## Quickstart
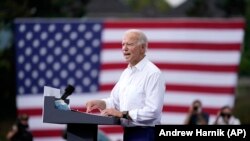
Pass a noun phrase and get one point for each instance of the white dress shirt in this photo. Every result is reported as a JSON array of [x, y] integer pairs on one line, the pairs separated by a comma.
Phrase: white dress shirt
[[140, 90], [232, 121]]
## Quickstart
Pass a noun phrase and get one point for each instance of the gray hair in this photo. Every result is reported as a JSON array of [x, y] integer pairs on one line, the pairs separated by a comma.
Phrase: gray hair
[[142, 40]]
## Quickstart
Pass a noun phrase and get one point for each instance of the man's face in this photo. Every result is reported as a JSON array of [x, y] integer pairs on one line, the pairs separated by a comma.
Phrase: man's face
[[133, 52]]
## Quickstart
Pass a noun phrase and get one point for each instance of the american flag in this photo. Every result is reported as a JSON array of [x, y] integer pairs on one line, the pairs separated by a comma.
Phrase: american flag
[[199, 58]]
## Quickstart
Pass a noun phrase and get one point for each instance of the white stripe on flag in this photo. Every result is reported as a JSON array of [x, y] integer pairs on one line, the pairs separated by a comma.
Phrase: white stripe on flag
[[49, 139], [178, 118], [178, 56], [181, 35], [208, 100], [36, 123]]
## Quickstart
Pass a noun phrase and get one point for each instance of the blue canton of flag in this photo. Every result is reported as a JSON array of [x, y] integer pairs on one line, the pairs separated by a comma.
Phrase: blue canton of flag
[[57, 54]]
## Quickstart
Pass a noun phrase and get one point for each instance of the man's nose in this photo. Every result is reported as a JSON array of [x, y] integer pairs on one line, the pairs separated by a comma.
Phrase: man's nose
[[124, 47]]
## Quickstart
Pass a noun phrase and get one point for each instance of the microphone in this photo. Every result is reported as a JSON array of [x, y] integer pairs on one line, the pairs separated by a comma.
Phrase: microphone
[[61, 104], [68, 91]]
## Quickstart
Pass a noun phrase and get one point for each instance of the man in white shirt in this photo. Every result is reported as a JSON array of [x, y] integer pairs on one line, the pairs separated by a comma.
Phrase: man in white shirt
[[137, 98]]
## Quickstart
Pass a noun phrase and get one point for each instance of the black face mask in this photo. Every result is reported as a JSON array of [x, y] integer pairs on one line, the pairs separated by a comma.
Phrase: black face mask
[[196, 108], [225, 115], [21, 126]]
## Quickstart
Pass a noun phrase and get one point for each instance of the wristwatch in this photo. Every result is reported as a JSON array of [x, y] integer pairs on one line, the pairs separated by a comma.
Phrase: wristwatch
[[125, 115]]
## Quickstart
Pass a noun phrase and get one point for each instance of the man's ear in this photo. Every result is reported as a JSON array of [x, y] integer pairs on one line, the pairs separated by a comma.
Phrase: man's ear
[[143, 48]]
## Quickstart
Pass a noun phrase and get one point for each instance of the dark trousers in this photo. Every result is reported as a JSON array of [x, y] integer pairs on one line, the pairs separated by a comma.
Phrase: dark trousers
[[141, 133]]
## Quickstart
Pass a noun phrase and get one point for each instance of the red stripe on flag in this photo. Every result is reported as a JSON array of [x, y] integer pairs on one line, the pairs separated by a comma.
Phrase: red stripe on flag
[[59, 133], [205, 23], [31, 112], [106, 87], [114, 66], [112, 129], [198, 67], [206, 89], [188, 46], [47, 133], [184, 109], [176, 66]]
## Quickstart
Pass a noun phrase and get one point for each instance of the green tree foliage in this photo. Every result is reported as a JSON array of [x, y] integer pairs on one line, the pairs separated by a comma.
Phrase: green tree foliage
[[216, 8], [10, 9], [149, 7], [245, 59], [240, 8], [7, 87]]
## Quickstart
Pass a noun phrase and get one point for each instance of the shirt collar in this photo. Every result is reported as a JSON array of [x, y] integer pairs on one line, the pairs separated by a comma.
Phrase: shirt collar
[[139, 66]]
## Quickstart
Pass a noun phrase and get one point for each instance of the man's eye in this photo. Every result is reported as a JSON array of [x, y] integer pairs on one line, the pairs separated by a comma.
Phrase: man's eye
[[128, 44]]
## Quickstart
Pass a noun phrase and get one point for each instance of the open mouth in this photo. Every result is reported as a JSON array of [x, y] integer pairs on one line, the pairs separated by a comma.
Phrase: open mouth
[[126, 54]]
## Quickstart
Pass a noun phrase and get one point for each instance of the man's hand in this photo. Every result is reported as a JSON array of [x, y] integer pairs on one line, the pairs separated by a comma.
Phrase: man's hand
[[95, 104], [111, 112]]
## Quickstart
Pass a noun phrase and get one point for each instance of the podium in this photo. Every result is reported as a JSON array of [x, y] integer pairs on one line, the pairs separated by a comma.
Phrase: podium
[[80, 126]]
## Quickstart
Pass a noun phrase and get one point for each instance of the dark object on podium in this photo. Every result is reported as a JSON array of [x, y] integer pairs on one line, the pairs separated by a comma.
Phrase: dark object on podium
[[80, 126]]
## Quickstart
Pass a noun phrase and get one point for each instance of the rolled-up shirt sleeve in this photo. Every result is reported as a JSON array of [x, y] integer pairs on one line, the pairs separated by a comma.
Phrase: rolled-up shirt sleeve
[[152, 109]]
